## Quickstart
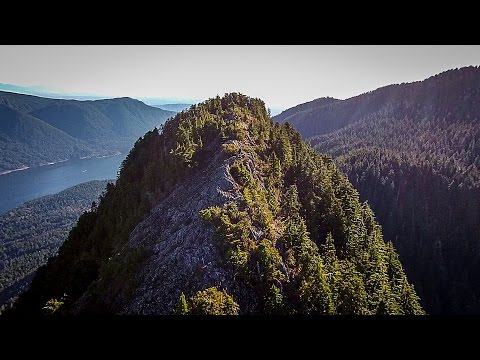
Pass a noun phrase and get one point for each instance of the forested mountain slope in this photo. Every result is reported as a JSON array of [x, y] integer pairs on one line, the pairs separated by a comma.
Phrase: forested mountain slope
[[225, 212], [33, 232], [413, 151], [35, 130]]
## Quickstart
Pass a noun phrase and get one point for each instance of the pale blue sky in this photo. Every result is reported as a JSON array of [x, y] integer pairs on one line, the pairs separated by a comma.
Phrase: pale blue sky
[[282, 76]]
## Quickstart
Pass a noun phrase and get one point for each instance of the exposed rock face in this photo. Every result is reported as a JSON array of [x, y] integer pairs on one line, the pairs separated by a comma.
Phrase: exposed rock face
[[182, 254]]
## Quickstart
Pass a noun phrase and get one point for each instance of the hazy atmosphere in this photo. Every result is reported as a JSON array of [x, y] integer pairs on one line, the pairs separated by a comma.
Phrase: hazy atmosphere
[[282, 76]]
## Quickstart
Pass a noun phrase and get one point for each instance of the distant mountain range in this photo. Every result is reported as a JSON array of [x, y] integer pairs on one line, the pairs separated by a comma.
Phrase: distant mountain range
[[413, 151], [44, 92], [36, 130], [172, 107], [51, 94]]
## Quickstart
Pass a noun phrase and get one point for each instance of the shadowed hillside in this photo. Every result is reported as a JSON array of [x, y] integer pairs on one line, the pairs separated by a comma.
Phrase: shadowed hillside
[[413, 151]]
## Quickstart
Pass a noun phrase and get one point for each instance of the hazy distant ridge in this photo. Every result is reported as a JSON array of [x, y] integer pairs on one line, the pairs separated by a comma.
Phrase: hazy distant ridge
[[36, 130]]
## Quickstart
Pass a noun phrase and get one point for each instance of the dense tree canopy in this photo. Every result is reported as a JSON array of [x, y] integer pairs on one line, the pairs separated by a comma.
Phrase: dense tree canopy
[[413, 152], [297, 235], [34, 231]]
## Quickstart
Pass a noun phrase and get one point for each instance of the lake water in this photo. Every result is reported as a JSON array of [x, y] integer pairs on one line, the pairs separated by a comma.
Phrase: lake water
[[20, 186]]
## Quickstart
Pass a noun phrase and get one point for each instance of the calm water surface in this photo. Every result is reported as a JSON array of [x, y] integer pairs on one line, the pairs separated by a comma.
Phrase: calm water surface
[[20, 186]]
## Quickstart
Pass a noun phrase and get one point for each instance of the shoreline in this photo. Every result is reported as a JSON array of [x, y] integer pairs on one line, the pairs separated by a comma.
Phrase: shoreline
[[58, 162], [100, 157], [53, 163], [14, 170]]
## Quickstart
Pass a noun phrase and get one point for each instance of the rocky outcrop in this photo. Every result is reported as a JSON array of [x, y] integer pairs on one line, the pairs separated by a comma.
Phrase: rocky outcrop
[[182, 254]]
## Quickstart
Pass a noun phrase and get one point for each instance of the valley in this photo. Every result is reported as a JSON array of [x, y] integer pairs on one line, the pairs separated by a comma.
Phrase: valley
[[20, 186], [366, 204]]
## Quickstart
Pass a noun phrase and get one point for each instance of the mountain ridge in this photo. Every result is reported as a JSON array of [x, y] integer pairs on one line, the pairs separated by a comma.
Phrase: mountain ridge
[[392, 91], [225, 212]]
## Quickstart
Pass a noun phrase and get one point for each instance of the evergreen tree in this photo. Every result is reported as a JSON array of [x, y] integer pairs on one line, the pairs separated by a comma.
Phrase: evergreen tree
[[182, 307]]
